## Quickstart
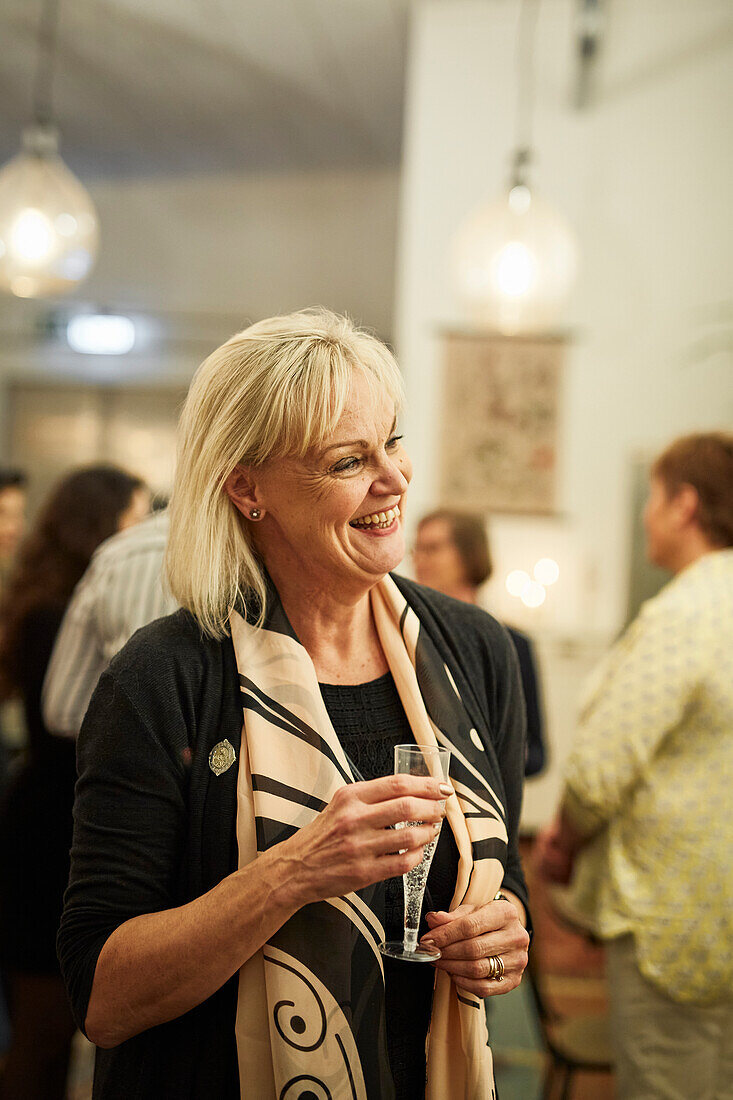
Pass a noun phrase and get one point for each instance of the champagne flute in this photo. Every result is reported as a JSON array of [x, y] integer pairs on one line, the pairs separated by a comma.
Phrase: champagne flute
[[416, 760]]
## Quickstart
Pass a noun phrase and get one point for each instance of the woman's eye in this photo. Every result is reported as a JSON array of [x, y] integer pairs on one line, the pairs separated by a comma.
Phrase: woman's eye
[[345, 464]]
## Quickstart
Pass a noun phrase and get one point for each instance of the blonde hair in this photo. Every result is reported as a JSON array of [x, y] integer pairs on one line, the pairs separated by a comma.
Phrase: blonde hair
[[276, 389]]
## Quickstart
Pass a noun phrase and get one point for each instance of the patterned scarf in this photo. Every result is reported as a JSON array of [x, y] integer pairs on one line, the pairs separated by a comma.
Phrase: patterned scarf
[[310, 1019]]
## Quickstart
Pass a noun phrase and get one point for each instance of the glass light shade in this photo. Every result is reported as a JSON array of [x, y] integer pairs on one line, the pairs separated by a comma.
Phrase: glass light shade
[[49, 231], [515, 262]]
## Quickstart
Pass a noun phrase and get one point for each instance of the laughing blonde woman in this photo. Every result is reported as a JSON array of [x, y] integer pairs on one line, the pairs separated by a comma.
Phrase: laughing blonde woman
[[234, 866]]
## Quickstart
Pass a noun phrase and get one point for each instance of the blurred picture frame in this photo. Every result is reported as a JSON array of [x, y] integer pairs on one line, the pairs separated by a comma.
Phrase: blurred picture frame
[[500, 422]]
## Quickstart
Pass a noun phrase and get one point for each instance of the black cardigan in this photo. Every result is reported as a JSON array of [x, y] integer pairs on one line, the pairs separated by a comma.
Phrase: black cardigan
[[154, 828]]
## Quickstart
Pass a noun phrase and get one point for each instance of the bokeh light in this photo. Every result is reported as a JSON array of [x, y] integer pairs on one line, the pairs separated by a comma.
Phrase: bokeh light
[[546, 571], [517, 581], [533, 595]]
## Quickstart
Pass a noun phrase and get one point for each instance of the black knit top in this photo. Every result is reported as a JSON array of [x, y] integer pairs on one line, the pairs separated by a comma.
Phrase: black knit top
[[370, 720]]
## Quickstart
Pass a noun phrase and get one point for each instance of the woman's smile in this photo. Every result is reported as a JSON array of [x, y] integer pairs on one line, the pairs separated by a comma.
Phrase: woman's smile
[[378, 523]]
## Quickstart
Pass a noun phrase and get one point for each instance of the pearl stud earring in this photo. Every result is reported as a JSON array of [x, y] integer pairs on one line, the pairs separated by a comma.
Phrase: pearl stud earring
[[255, 513]]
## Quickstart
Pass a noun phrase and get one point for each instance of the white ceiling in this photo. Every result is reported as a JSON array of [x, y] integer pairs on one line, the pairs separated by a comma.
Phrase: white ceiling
[[151, 87]]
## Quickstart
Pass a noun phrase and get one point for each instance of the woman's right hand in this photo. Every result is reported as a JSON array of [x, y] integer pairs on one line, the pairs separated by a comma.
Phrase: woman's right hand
[[350, 844]]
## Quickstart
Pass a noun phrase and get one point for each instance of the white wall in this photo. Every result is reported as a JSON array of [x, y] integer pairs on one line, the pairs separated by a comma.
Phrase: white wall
[[644, 175]]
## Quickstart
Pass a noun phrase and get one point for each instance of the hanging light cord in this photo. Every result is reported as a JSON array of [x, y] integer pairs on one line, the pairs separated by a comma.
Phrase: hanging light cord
[[43, 84], [528, 12]]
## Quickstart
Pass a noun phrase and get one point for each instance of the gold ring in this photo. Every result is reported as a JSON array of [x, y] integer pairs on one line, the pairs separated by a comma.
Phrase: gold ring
[[496, 968]]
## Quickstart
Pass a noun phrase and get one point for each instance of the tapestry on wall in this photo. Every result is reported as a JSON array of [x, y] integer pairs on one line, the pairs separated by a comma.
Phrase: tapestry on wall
[[501, 398]]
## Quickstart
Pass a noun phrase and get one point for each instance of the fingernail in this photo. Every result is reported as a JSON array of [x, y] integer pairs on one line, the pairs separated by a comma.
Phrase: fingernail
[[427, 943], [445, 789]]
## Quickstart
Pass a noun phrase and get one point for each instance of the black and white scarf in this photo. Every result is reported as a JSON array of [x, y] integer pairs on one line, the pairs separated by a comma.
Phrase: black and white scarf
[[310, 1012]]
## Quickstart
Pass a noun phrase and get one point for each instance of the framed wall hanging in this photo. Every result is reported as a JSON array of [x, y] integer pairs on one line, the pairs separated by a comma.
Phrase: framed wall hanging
[[500, 414]]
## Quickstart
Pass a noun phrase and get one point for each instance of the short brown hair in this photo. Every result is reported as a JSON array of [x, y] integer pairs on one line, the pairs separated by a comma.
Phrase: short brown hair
[[704, 461], [471, 541]]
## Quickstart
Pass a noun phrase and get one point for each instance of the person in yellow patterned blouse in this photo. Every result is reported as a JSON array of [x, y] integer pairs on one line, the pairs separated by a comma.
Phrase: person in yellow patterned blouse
[[645, 829]]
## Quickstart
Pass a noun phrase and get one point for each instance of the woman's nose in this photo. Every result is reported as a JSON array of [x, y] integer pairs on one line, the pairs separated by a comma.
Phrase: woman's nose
[[392, 478]]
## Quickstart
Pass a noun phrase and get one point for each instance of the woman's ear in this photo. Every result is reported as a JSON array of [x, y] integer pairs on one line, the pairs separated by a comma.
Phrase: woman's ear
[[686, 505], [243, 493]]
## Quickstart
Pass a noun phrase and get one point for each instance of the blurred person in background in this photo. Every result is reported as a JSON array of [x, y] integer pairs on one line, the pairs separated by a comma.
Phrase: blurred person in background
[[12, 517], [121, 591], [35, 820], [645, 828], [452, 555], [12, 524]]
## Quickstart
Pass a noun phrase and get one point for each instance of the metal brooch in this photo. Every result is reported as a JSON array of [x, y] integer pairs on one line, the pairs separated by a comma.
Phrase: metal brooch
[[221, 757]]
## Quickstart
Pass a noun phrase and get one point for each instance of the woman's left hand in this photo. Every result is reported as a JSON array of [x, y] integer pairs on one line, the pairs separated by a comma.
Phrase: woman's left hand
[[470, 935]]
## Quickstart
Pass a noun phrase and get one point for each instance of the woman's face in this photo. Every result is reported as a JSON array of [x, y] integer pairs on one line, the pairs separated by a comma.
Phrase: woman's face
[[662, 515], [12, 519], [335, 515], [436, 557]]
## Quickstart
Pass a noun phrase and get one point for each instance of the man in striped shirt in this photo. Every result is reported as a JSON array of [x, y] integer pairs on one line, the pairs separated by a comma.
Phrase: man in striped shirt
[[121, 591]]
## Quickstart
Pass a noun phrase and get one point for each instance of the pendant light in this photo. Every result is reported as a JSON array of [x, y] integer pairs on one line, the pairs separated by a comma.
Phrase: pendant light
[[515, 258], [49, 232]]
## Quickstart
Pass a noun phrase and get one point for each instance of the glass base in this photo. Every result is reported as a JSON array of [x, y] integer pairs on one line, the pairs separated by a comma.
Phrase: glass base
[[396, 950]]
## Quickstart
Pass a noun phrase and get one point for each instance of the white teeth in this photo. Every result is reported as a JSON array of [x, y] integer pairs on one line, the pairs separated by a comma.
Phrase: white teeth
[[378, 518]]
